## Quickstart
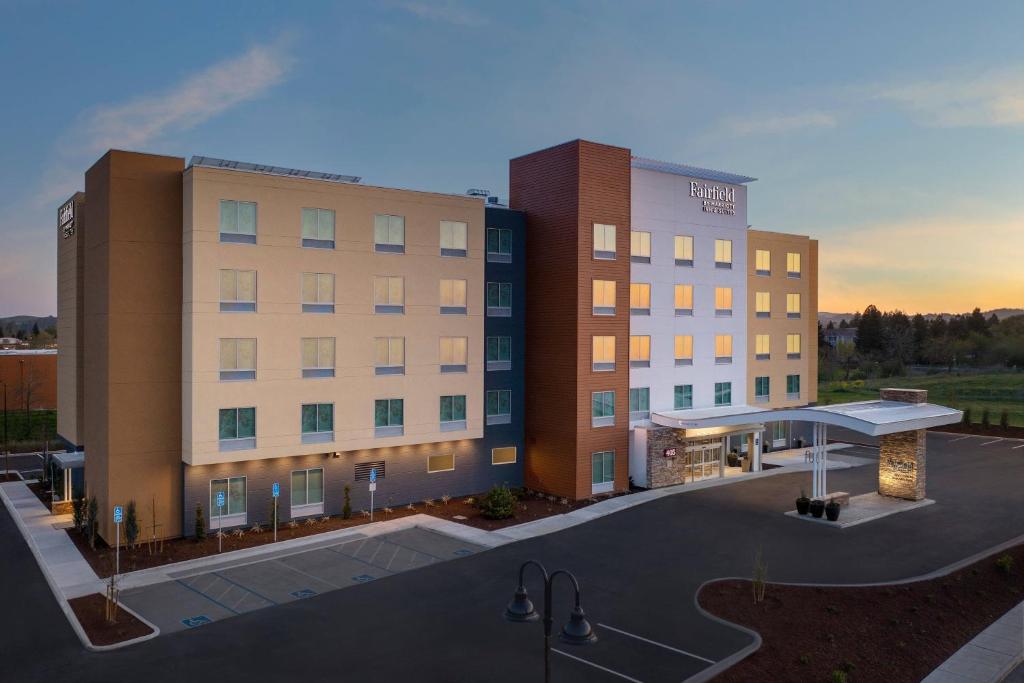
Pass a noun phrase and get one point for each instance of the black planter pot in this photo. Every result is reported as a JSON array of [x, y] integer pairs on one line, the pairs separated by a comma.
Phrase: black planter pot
[[832, 512], [802, 504], [817, 508]]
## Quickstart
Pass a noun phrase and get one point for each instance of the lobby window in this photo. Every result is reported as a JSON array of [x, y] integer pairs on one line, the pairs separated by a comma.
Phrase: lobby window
[[639, 246], [639, 403], [604, 297], [762, 304], [453, 238], [778, 432], [684, 250], [684, 349], [237, 222], [499, 353], [318, 293], [639, 298], [318, 357], [499, 299], [792, 346], [389, 355], [602, 409], [317, 422], [388, 417], [602, 471], [604, 354], [498, 406], [792, 387], [723, 301], [761, 389], [389, 234], [233, 512], [237, 291], [237, 429], [440, 462], [604, 241], [793, 264], [318, 228], [723, 349], [307, 492], [682, 398], [684, 299], [723, 393], [792, 305], [762, 347], [723, 253], [453, 352], [388, 294], [505, 455], [453, 297], [499, 245], [237, 359], [639, 351], [453, 413], [762, 262]]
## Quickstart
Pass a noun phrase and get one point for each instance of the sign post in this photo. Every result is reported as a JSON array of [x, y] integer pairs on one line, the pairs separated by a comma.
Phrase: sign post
[[276, 492], [373, 487], [220, 519], [118, 518]]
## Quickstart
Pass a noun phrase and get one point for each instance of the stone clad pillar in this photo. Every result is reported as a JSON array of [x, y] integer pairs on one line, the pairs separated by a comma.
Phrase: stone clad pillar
[[901, 463]]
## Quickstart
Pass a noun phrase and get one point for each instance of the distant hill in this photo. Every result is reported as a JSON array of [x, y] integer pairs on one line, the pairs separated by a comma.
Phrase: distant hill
[[9, 327], [824, 317]]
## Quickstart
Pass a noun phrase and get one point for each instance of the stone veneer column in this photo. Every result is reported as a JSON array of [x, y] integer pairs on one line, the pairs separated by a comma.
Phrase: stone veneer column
[[901, 463]]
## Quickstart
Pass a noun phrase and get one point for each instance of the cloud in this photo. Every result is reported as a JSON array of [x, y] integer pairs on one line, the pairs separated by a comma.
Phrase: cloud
[[444, 12], [781, 123], [993, 99]]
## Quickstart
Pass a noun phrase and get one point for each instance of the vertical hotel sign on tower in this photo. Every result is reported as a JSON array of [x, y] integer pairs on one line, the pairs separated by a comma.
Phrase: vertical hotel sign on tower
[[66, 219]]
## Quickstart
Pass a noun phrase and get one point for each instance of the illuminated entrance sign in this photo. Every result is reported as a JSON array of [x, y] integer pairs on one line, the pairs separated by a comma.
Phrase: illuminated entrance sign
[[66, 218]]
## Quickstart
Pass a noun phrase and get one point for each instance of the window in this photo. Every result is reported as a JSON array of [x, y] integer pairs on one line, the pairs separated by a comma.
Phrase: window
[[499, 245], [388, 294], [453, 354], [602, 470], [723, 253], [639, 403], [684, 299], [723, 348], [602, 412], [233, 511], [763, 304], [793, 346], [792, 305], [778, 433], [499, 299], [307, 492], [318, 357], [506, 455], [499, 406], [639, 247], [318, 293], [317, 422], [604, 354], [723, 301], [389, 355], [762, 347], [793, 264], [389, 234], [453, 238], [237, 291], [604, 241], [453, 297], [761, 389], [237, 429], [440, 462], [792, 387], [762, 262], [684, 250], [639, 351], [684, 349], [237, 359], [723, 393], [604, 297], [499, 353], [453, 413], [683, 397], [318, 228], [389, 417], [237, 222], [639, 298]]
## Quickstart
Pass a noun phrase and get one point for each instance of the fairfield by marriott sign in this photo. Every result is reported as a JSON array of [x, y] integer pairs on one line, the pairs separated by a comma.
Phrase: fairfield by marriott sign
[[720, 199]]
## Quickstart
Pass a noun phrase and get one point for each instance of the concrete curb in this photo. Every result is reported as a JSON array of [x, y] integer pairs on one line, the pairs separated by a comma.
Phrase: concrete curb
[[733, 659]]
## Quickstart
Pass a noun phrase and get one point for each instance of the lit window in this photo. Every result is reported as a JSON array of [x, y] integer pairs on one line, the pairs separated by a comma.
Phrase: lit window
[[604, 353], [440, 462], [388, 294], [237, 429], [684, 299], [792, 346], [318, 357], [317, 422], [389, 234], [762, 262], [506, 455], [640, 246], [684, 349], [498, 405], [762, 347], [453, 238], [763, 304], [233, 512], [639, 298], [453, 297], [639, 351], [602, 410], [499, 299], [792, 387], [237, 222], [499, 245], [453, 354], [237, 291], [237, 359], [723, 393], [604, 297], [499, 353], [604, 241], [389, 355], [682, 397], [723, 301], [307, 492], [723, 253], [684, 250], [389, 417], [792, 305], [793, 264], [602, 469], [453, 413], [318, 293], [639, 403], [318, 228], [761, 389], [723, 348]]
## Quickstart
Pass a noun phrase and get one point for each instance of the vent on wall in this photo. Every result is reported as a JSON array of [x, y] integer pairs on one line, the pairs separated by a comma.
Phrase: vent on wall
[[363, 470]]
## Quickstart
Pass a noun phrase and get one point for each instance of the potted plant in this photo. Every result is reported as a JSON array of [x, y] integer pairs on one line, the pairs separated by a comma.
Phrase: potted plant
[[817, 507], [803, 503], [832, 510]]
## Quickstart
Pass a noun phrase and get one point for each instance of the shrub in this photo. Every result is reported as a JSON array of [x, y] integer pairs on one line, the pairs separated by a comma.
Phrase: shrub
[[839, 676], [498, 503], [985, 420], [78, 513], [1005, 563], [346, 509], [760, 578], [967, 416], [1004, 419], [92, 511], [200, 522], [131, 524]]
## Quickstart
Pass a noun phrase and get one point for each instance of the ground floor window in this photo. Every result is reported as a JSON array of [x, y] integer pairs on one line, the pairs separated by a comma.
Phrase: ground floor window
[[232, 513], [723, 393], [683, 398], [503, 456], [602, 471], [307, 492], [442, 462], [778, 434]]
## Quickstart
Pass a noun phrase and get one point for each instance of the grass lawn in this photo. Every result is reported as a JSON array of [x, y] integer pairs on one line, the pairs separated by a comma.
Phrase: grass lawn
[[28, 434], [996, 391]]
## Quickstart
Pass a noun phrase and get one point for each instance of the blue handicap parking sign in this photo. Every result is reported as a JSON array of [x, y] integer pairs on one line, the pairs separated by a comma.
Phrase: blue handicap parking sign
[[220, 499], [118, 514], [373, 475], [304, 593], [276, 489], [200, 620], [362, 578]]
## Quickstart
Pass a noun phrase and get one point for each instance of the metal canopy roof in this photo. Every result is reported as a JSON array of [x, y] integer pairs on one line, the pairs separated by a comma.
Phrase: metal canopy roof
[[691, 171], [874, 418], [69, 460], [211, 162]]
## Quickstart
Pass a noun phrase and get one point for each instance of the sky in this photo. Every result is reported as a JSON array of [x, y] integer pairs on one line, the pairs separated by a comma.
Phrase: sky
[[891, 132]]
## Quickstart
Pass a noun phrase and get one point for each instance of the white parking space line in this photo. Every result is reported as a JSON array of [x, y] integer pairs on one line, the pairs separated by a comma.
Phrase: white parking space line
[[989, 443], [960, 439], [654, 642], [597, 666], [1016, 447]]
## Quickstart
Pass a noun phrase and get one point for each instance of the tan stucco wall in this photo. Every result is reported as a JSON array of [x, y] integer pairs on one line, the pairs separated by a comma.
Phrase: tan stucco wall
[[279, 325], [69, 327]]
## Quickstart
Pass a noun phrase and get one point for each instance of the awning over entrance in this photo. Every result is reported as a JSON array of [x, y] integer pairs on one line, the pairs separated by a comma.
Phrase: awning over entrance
[[69, 461]]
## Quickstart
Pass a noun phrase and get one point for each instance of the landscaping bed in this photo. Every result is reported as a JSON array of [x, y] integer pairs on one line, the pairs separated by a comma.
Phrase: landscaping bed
[[10, 476], [90, 610], [528, 507], [886, 633]]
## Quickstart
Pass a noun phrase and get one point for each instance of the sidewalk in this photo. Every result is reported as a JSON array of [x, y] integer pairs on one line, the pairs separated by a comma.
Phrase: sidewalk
[[990, 656]]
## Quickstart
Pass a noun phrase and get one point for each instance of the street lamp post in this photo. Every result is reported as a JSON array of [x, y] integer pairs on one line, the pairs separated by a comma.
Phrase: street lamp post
[[7, 448], [576, 632]]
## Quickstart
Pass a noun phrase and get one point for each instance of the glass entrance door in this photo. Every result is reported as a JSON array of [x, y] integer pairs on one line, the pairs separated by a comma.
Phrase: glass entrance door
[[705, 459]]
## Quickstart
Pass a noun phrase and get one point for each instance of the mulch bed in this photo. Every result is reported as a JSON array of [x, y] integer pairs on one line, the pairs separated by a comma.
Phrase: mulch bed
[[1010, 432], [91, 613], [530, 507], [886, 633], [9, 476]]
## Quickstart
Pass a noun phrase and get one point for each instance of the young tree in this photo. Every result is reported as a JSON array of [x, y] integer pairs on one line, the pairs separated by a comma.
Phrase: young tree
[[131, 525], [200, 522]]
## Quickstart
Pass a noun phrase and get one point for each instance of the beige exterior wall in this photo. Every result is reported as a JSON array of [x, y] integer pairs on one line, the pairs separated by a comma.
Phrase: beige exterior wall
[[69, 325], [279, 324], [779, 325]]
